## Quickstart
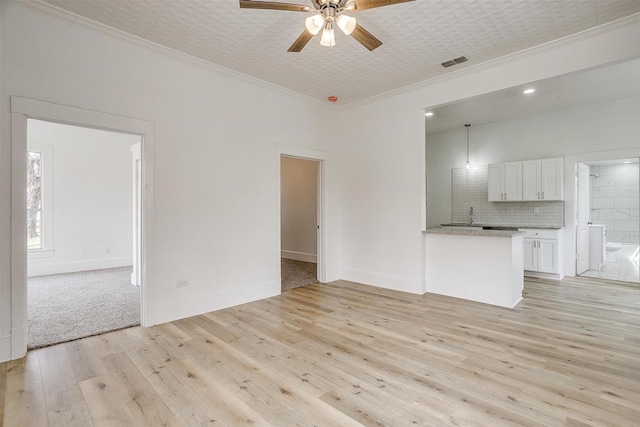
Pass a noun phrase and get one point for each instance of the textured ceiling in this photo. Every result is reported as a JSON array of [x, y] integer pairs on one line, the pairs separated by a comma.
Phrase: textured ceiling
[[417, 36]]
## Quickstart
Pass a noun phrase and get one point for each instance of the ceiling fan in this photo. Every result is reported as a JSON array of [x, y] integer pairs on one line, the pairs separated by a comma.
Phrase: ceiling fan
[[329, 13]]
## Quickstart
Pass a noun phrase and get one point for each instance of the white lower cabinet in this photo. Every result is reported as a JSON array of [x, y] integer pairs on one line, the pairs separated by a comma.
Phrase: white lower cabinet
[[542, 253]]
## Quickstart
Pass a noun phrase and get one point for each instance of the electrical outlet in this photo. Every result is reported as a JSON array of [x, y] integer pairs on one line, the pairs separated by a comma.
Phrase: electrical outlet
[[108, 251], [182, 283], [535, 210]]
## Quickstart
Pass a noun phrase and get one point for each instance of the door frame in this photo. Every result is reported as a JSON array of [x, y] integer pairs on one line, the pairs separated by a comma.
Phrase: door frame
[[322, 158], [23, 109], [570, 208], [578, 205]]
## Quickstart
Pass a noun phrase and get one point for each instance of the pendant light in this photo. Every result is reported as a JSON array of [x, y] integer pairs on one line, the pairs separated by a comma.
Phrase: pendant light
[[468, 163]]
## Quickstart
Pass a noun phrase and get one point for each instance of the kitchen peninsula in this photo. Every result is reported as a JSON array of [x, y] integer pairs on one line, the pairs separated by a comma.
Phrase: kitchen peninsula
[[475, 264]]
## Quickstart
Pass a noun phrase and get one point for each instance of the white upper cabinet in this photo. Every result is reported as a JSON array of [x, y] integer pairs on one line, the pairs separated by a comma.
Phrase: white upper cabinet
[[505, 182], [552, 179], [529, 180], [543, 179]]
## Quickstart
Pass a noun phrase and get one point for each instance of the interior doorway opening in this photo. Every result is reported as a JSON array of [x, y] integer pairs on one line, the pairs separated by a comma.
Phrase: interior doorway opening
[[23, 109], [83, 195], [299, 222], [608, 220], [321, 161]]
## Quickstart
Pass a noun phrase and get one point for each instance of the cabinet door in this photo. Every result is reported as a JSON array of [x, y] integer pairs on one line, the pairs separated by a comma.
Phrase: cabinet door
[[552, 179], [496, 180], [548, 256], [530, 254], [513, 180], [531, 180]]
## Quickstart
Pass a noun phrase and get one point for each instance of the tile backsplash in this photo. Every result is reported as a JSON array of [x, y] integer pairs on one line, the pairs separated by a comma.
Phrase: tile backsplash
[[470, 189]]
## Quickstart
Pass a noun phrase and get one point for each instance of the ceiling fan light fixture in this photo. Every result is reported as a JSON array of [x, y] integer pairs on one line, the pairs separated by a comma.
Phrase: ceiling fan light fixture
[[346, 23], [328, 37], [314, 24]]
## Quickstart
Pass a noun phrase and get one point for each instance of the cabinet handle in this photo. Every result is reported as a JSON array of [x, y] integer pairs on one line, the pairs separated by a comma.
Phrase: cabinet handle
[[538, 195], [543, 194]]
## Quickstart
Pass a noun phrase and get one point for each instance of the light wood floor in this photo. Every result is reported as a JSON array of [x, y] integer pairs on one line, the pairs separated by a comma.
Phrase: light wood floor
[[348, 354]]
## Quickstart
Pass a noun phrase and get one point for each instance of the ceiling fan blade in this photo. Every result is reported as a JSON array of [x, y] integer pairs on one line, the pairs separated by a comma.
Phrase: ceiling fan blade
[[250, 4], [370, 4], [365, 38], [300, 42]]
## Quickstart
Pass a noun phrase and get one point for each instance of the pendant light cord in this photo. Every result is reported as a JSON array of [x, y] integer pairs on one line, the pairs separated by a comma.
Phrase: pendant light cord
[[467, 126]]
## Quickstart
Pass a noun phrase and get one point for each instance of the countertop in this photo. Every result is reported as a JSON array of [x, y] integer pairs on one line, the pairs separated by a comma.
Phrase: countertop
[[476, 231], [541, 227]]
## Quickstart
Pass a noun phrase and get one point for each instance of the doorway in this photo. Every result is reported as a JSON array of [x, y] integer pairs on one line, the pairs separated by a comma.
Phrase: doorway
[[80, 232], [23, 109], [607, 220], [316, 163], [299, 222]]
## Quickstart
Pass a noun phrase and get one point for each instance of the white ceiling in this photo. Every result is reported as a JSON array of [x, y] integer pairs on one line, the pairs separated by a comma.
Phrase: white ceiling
[[418, 36], [574, 90]]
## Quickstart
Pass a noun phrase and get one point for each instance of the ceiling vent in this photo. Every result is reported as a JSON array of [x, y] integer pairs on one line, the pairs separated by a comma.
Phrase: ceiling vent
[[455, 61]]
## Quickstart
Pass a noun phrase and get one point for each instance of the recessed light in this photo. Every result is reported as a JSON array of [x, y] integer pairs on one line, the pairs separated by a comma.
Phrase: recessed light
[[627, 162], [528, 91], [428, 114]]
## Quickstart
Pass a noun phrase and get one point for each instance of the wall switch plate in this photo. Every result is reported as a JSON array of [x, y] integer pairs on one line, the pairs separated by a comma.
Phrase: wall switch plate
[[535, 210], [182, 283]]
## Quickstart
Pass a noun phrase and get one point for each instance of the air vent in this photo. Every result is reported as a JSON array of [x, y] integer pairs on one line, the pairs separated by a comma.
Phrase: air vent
[[455, 61]]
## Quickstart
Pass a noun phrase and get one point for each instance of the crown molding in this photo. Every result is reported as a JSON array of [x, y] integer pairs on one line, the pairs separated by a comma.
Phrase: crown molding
[[99, 28], [121, 36], [506, 59]]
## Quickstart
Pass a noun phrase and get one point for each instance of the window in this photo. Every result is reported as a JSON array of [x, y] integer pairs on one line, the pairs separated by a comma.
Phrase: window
[[34, 200], [39, 200]]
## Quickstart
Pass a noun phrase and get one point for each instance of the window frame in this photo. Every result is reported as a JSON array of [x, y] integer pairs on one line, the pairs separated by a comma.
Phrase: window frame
[[46, 249]]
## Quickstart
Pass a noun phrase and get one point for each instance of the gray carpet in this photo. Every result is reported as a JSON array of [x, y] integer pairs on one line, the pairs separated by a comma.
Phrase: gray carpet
[[65, 307], [297, 273]]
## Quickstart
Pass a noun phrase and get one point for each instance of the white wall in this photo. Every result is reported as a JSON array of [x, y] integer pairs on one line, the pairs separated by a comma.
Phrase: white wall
[[210, 125], [216, 163], [92, 198], [299, 208], [600, 127], [381, 150]]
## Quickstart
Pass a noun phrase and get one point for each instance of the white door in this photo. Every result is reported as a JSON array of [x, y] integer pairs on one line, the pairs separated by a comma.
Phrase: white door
[[582, 219]]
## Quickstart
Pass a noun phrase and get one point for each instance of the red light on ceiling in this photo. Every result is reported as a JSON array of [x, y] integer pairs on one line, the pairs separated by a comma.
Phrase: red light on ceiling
[[332, 98]]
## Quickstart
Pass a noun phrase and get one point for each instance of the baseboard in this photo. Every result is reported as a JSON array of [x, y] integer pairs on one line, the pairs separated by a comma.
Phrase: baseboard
[[205, 303], [72, 267], [298, 256], [5, 348], [552, 276], [396, 283]]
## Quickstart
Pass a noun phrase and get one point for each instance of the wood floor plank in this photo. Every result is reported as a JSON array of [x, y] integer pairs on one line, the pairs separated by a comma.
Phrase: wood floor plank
[[65, 403], [348, 354], [24, 397]]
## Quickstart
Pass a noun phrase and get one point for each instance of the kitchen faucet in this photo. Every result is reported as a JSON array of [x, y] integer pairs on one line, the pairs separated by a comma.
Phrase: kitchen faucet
[[471, 216]]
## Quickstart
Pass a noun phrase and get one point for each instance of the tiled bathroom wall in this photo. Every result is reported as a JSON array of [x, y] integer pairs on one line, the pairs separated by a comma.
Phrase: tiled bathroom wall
[[614, 201], [470, 189]]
